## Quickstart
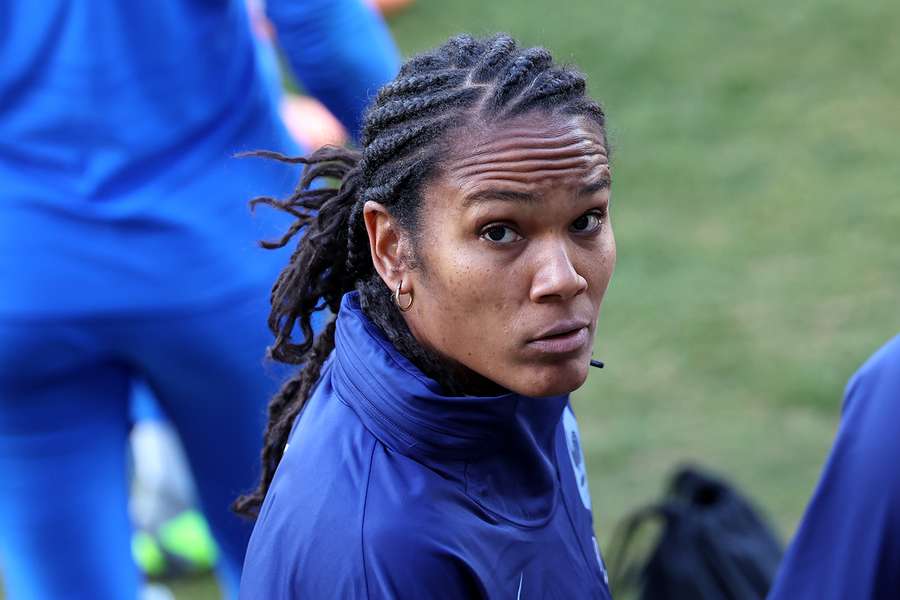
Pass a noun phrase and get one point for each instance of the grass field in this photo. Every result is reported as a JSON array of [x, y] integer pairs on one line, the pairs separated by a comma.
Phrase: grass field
[[757, 214]]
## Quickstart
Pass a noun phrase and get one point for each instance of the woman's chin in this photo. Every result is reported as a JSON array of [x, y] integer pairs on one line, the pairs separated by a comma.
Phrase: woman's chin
[[554, 380]]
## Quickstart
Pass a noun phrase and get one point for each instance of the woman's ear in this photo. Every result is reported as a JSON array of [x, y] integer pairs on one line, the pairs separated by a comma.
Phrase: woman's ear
[[385, 243]]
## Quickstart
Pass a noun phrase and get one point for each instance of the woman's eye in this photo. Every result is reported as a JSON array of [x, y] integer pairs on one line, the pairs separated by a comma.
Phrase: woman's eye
[[587, 223], [500, 234]]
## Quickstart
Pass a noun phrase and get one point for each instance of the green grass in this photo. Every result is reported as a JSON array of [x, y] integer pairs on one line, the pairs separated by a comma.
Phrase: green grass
[[757, 216]]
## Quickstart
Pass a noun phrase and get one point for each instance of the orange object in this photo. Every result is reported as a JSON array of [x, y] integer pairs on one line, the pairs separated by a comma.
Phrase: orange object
[[389, 7], [310, 123]]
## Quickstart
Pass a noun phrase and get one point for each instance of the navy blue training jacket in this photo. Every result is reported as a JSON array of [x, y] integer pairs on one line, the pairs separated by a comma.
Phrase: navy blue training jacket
[[389, 489], [848, 544]]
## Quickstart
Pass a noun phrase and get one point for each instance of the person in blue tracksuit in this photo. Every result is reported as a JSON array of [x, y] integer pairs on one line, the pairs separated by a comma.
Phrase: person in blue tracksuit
[[427, 447], [848, 543], [127, 251]]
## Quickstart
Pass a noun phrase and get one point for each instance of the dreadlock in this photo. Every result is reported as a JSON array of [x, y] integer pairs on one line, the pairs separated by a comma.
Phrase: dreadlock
[[404, 138]]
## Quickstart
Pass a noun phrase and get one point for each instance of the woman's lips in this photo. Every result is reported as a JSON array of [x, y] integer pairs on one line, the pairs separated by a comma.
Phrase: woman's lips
[[562, 343]]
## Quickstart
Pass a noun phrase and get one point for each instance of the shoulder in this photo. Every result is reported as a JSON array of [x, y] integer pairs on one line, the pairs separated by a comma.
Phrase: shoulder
[[311, 521], [878, 377], [871, 411], [409, 503], [414, 531], [407, 558]]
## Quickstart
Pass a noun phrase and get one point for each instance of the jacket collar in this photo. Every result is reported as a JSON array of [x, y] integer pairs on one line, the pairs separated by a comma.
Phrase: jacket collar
[[508, 437], [404, 407]]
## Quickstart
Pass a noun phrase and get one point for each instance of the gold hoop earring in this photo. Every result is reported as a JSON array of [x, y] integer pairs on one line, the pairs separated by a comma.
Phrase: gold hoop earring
[[397, 298]]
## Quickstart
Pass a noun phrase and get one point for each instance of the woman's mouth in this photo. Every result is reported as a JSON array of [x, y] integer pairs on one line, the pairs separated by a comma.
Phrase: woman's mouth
[[562, 343]]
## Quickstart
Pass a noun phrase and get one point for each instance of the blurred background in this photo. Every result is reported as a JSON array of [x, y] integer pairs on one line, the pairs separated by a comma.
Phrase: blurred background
[[756, 206]]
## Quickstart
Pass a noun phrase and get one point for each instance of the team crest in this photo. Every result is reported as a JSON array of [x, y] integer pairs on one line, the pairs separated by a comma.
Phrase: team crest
[[576, 456]]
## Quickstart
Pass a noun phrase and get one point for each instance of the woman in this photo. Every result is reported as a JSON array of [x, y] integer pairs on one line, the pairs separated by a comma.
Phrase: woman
[[465, 253]]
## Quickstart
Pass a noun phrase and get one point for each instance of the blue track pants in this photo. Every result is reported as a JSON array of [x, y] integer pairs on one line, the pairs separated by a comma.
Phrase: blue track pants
[[64, 418]]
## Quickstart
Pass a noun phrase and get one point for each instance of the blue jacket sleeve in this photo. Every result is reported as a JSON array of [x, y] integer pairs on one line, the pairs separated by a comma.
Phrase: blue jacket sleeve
[[340, 50], [848, 543]]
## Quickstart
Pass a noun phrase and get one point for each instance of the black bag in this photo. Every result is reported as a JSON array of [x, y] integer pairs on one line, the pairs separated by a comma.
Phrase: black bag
[[713, 545]]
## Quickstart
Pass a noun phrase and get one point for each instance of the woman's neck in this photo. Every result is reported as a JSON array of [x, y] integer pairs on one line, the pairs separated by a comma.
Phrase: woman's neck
[[455, 378]]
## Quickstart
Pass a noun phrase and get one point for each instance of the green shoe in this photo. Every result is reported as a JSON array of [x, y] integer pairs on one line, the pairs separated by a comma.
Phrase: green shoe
[[147, 554], [180, 546]]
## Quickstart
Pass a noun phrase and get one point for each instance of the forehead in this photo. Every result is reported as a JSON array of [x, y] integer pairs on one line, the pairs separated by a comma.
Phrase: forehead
[[523, 155]]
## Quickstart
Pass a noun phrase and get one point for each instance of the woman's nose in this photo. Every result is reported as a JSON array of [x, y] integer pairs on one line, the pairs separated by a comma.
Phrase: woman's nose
[[556, 278]]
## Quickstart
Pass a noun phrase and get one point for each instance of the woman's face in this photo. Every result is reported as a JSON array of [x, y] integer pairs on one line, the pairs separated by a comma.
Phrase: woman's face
[[515, 250]]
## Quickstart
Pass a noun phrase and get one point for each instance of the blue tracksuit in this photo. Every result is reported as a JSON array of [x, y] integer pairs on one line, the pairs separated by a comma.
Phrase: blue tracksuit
[[127, 251], [389, 489], [848, 544]]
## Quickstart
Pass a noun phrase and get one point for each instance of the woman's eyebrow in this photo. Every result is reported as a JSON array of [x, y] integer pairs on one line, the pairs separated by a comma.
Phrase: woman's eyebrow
[[597, 185], [491, 194], [497, 194], [594, 187]]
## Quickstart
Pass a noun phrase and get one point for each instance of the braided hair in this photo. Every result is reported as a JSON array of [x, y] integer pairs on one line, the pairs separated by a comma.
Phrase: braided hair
[[404, 138]]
